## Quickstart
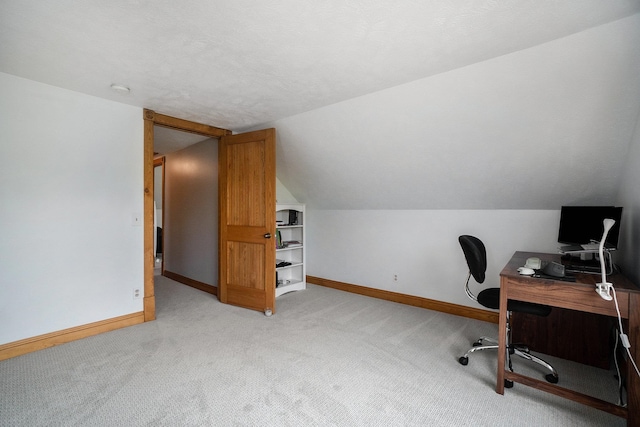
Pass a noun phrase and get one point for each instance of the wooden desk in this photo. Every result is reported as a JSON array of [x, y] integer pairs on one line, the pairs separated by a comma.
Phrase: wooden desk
[[581, 296]]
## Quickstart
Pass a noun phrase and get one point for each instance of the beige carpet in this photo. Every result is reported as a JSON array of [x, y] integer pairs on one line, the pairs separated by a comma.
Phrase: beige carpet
[[327, 358]]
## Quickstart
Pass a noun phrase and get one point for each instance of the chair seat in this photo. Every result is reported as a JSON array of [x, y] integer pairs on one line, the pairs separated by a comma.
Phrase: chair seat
[[490, 298]]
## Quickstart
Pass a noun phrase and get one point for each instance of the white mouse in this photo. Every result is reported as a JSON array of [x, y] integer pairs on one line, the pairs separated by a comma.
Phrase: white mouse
[[526, 271]]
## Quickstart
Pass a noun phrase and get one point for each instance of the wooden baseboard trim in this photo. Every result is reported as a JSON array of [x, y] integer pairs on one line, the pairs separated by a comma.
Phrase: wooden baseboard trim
[[445, 307], [28, 345], [213, 290]]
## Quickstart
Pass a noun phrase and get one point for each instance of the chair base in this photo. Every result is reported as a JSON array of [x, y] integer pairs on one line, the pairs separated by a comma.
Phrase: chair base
[[517, 349]]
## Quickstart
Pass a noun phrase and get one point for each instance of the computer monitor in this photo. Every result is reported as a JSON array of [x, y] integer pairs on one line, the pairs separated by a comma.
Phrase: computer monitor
[[583, 224]]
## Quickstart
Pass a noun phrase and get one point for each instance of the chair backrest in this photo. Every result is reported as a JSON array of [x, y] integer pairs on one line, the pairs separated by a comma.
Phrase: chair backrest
[[476, 256]]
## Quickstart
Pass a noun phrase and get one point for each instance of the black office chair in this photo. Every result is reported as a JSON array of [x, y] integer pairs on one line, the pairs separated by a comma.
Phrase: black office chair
[[476, 256]]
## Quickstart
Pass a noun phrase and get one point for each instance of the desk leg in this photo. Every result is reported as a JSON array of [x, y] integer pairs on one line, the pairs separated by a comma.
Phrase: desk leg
[[633, 382], [502, 336]]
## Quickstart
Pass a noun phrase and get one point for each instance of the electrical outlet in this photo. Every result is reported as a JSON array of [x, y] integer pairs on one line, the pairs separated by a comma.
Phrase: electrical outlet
[[395, 277], [136, 219], [136, 293]]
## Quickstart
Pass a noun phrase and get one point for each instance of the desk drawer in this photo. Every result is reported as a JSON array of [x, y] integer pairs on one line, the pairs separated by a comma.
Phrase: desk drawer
[[569, 295]]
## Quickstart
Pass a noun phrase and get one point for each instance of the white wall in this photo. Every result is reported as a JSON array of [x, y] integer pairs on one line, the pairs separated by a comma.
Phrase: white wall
[[282, 194], [157, 193], [629, 198], [368, 248], [493, 149], [191, 212], [71, 178]]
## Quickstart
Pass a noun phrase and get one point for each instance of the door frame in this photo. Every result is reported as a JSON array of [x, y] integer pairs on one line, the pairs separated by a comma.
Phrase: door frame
[[151, 119]]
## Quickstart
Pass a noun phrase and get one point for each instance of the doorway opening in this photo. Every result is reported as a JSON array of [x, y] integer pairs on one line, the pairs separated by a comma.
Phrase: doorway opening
[[151, 121]]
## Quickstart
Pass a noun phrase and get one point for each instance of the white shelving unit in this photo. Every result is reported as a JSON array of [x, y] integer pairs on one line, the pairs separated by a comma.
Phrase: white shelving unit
[[290, 248]]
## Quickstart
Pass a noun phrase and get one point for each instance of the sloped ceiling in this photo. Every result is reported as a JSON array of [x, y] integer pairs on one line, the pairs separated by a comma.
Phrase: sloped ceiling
[[543, 127], [237, 64], [167, 140]]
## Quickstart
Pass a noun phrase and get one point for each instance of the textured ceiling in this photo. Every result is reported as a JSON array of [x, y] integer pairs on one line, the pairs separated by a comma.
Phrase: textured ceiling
[[238, 63], [378, 104]]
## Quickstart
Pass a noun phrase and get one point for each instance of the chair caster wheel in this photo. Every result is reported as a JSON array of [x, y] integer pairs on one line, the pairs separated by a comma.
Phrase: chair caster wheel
[[463, 360], [508, 384], [477, 343], [552, 378]]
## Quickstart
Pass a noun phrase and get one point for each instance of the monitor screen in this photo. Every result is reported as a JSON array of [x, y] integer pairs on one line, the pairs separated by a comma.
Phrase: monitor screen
[[583, 224]]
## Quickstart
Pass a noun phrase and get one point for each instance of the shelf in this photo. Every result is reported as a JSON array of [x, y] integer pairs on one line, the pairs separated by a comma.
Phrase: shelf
[[289, 266], [290, 228], [290, 287], [289, 248]]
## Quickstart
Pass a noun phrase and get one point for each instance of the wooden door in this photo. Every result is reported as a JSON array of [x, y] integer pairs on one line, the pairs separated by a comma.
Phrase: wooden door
[[247, 220]]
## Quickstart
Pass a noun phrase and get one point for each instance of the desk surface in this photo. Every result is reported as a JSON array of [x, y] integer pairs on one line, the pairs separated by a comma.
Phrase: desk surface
[[519, 258]]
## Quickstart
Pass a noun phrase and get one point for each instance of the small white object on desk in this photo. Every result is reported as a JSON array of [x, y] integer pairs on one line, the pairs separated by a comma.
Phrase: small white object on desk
[[525, 271]]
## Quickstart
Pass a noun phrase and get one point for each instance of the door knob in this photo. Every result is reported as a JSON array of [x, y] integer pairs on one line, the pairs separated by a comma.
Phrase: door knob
[[267, 235]]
